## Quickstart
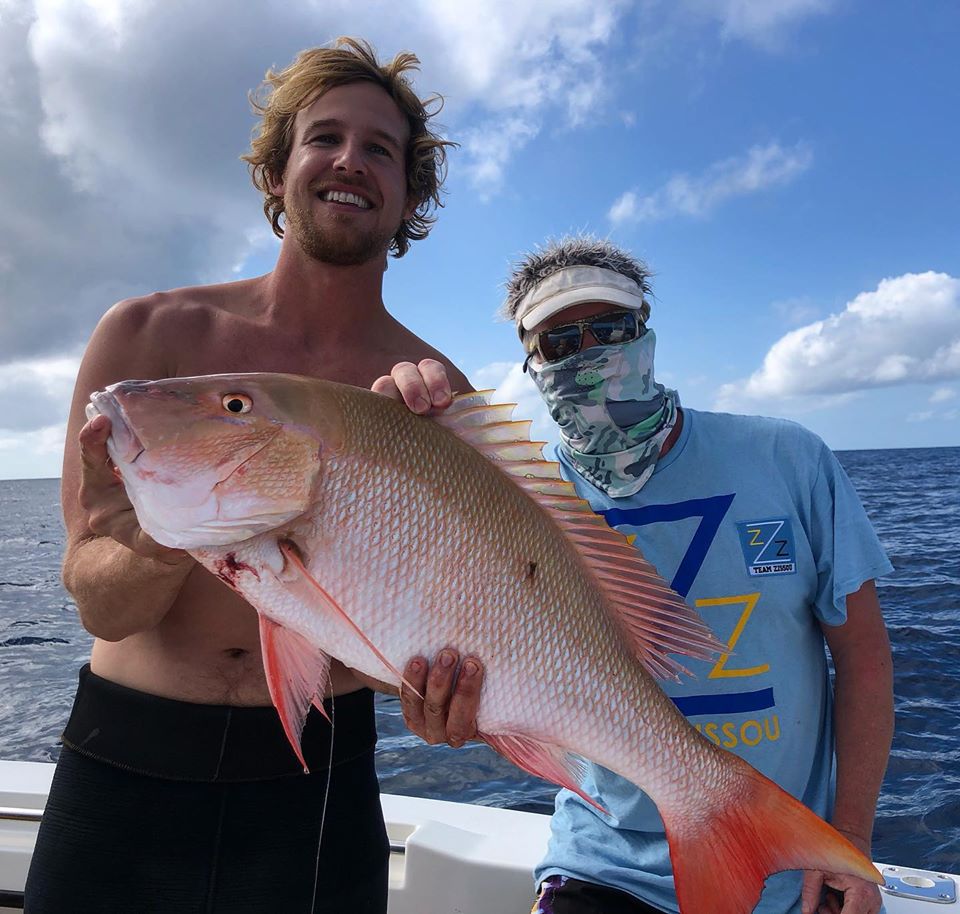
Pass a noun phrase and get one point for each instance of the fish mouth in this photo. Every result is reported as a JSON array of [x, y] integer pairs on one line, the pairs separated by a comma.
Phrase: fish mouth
[[126, 446]]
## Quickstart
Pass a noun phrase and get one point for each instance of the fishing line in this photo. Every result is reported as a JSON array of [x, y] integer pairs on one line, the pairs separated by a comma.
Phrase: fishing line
[[323, 810]]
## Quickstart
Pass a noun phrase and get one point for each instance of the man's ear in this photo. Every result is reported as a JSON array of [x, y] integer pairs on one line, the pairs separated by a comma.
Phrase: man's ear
[[275, 185], [410, 208]]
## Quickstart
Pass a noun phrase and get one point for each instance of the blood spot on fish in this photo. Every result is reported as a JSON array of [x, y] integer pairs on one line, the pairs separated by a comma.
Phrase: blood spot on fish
[[531, 570], [228, 569]]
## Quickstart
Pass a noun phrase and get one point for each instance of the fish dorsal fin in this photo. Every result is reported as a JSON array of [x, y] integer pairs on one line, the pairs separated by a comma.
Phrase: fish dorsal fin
[[654, 619]]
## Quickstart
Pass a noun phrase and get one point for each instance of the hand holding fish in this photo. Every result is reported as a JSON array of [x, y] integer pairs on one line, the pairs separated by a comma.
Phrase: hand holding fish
[[424, 387], [447, 713], [104, 497], [849, 895]]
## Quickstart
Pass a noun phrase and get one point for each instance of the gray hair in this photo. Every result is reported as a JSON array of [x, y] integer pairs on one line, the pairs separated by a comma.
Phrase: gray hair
[[573, 251]]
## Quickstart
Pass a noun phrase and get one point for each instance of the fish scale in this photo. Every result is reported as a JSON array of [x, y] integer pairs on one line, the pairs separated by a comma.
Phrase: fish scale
[[362, 532]]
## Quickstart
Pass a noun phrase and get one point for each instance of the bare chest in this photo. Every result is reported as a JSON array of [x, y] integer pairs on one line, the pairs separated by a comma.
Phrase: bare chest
[[230, 344]]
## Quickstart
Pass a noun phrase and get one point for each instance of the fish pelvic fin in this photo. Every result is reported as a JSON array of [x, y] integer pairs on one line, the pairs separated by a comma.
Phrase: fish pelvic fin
[[542, 760], [653, 618], [721, 860], [298, 580], [296, 673]]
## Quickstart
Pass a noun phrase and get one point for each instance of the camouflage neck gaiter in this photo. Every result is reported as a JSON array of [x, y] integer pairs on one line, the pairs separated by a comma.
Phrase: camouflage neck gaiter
[[613, 416]]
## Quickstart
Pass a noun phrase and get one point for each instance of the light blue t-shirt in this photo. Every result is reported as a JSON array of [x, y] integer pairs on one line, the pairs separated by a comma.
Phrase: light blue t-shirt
[[756, 525]]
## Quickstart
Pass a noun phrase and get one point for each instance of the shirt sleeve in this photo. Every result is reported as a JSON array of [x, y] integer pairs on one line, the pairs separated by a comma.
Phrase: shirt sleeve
[[847, 550]]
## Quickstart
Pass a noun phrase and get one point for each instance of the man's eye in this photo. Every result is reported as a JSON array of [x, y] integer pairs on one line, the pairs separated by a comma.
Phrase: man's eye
[[324, 138], [379, 150]]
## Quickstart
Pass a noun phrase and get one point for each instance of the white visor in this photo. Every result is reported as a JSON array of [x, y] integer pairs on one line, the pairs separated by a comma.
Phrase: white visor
[[573, 286]]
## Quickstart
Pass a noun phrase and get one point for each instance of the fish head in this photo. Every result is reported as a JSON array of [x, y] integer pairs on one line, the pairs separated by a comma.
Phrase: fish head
[[217, 459]]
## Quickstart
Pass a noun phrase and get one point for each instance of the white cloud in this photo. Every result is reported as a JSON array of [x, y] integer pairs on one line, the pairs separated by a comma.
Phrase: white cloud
[[490, 147], [522, 55], [943, 394], [686, 195], [905, 331]]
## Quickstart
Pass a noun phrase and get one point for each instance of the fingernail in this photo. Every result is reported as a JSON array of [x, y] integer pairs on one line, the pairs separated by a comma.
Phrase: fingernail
[[471, 668], [416, 666], [446, 659], [420, 405]]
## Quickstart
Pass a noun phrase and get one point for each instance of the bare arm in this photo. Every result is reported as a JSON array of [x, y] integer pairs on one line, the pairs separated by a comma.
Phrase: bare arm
[[123, 582], [864, 731]]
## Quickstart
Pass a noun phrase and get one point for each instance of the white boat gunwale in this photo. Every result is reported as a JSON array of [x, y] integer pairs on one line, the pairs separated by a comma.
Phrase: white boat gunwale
[[445, 857]]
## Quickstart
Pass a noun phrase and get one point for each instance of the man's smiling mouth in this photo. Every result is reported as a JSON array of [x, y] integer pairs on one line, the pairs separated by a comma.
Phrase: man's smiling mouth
[[340, 196]]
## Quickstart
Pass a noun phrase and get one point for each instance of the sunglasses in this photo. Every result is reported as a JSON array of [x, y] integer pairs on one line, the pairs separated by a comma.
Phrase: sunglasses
[[608, 330]]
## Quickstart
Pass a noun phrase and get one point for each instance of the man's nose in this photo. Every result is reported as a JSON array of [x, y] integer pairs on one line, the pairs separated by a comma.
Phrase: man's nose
[[350, 159]]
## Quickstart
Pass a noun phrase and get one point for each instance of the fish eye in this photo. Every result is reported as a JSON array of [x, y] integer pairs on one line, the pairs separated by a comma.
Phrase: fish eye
[[237, 403]]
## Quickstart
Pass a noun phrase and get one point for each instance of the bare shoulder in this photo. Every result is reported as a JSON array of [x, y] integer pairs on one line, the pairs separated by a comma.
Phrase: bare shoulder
[[408, 347], [151, 335], [177, 310]]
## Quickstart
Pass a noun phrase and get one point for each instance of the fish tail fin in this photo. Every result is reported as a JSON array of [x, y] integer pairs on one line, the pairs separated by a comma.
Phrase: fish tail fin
[[720, 864]]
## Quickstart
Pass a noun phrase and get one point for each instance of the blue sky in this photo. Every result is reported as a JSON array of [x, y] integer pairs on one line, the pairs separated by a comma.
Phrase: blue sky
[[787, 168]]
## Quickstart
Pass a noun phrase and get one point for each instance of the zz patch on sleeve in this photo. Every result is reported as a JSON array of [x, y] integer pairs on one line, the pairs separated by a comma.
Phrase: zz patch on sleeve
[[768, 546]]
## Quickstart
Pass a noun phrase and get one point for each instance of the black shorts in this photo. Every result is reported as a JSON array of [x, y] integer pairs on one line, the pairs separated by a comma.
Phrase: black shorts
[[566, 895], [170, 807]]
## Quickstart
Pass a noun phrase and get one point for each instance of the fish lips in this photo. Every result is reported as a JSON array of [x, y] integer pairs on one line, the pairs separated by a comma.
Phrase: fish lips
[[123, 444]]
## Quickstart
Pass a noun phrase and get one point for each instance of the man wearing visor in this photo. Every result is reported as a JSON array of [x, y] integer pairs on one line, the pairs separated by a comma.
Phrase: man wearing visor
[[755, 524]]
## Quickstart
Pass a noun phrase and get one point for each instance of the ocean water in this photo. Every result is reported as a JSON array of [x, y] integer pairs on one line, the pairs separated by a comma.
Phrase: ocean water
[[911, 495]]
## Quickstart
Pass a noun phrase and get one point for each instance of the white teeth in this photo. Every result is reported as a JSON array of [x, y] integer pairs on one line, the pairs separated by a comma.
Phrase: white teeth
[[339, 196]]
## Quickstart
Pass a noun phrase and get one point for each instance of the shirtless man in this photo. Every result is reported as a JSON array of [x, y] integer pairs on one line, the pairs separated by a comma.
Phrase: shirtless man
[[176, 789]]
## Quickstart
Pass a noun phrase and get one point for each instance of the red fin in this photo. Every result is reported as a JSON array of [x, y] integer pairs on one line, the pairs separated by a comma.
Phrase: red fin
[[542, 760], [720, 861], [637, 597], [308, 589], [296, 673]]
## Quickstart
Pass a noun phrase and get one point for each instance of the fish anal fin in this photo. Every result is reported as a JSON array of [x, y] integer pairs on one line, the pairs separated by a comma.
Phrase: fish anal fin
[[298, 580], [542, 760], [296, 672], [739, 844]]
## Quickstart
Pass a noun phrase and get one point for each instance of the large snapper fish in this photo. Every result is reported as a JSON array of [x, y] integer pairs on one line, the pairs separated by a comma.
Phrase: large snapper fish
[[361, 531]]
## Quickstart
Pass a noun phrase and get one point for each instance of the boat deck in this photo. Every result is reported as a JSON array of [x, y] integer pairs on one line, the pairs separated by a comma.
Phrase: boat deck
[[447, 858]]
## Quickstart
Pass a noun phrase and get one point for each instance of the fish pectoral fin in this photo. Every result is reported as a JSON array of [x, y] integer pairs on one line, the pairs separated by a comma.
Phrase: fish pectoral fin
[[543, 760], [297, 674], [296, 578]]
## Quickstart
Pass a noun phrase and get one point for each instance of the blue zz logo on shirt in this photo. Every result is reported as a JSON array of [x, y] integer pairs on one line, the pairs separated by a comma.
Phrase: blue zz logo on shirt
[[767, 546]]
